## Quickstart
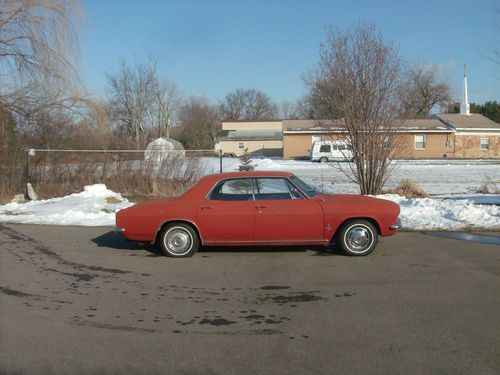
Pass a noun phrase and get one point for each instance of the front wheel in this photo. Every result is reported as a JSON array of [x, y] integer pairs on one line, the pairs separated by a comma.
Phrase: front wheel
[[358, 237], [179, 240], [323, 159]]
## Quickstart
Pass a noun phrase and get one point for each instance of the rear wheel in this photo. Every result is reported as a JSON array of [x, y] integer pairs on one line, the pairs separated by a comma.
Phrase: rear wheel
[[358, 237], [179, 240]]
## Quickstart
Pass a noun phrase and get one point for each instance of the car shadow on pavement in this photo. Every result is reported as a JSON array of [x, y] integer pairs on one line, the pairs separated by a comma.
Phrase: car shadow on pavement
[[116, 241], [313, 250]]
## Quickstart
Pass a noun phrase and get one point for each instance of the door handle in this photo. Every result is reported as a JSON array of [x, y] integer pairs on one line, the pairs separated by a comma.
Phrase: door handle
[[206, 207], [259, 207]]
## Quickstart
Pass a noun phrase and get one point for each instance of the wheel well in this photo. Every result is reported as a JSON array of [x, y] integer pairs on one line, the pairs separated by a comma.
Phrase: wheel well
[[371, 220], [164, 225]]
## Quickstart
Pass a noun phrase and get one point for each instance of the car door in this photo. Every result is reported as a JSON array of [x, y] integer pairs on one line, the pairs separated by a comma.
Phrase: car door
[[228, 213], [283, 214]]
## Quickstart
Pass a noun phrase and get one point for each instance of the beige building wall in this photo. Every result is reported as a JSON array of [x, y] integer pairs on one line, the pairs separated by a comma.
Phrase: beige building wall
[[437, 145], [469, 146], [267, 147], [252, 125], [296, 145]]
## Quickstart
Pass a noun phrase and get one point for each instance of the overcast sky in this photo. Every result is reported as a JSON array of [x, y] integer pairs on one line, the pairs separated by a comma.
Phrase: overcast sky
[[213, 47]]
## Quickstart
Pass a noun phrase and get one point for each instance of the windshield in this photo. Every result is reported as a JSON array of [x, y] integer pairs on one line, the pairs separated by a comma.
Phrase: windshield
[[304, 186]]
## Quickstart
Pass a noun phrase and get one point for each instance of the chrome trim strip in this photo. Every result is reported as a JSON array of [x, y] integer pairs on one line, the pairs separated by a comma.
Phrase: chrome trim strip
[[273, 241]]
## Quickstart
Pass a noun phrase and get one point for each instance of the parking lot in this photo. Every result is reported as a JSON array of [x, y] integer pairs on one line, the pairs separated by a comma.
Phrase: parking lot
[[83, 300]]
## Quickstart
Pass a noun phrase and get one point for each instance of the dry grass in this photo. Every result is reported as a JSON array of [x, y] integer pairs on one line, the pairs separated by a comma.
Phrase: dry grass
[[55, 175], [409, 189]]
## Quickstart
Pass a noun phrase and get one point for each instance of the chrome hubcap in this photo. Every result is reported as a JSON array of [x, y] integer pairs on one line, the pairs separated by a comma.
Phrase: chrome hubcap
[[359, 238], [178, 241]]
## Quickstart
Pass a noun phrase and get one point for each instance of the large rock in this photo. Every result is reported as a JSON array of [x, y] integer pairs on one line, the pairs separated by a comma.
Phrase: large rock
[[18, 198], [32, 195]]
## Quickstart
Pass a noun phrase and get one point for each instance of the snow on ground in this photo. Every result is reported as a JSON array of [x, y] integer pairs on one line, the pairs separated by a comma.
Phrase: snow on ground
[[454, 203], [94, 206], [445, 214]]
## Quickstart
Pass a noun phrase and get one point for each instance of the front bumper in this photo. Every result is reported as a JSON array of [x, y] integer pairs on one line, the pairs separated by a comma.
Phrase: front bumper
[[119, 230], [396, 226]]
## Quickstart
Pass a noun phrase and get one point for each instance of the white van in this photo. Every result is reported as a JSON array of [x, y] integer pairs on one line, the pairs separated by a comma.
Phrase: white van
[[325, 151]]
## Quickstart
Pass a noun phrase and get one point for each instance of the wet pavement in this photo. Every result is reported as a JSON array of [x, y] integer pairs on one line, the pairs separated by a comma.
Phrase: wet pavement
[[483, 238]]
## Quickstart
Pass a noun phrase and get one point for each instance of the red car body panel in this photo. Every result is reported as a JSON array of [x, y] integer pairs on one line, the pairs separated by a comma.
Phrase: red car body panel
[[255, 222]]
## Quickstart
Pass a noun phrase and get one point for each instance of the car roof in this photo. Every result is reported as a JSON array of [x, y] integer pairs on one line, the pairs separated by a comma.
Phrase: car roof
[[221, 176], [207, 182]]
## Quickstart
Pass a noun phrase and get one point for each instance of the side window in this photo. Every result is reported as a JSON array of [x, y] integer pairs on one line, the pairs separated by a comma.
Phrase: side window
[[272, 189], [324, 148], [239, 189]]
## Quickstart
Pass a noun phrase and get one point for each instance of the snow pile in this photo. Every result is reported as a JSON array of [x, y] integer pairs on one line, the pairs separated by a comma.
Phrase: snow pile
[[444, 214], [94, 206]]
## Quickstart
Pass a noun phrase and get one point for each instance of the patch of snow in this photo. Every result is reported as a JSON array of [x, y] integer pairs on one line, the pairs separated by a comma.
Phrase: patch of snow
[[95, 206], [444, 214]]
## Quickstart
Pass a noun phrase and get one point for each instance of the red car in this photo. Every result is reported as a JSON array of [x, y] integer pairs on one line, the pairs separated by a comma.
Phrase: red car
[[258, 208]]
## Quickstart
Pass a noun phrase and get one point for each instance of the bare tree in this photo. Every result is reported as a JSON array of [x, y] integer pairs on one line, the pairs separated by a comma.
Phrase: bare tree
[[132, 95], [201, 124], [425, 90], [167, 100], [357, 86], [248, 104], [37, 45], [289, 110]]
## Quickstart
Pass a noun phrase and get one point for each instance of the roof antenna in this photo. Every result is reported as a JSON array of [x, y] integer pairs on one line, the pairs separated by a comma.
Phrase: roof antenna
[[465, 107]]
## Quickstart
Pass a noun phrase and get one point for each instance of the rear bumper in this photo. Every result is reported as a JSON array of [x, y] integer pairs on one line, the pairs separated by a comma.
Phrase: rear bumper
[[396, 226], [119, 230]]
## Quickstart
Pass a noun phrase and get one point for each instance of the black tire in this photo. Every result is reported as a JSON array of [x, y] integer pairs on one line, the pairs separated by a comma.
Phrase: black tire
[[323, 159], [178, 240], [358, 237]]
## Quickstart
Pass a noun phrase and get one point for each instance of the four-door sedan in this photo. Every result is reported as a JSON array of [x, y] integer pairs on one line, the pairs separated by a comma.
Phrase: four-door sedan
[[258, 208]]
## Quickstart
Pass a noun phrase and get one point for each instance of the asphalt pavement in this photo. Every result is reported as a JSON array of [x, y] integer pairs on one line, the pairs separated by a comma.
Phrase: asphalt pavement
[[82, 300]]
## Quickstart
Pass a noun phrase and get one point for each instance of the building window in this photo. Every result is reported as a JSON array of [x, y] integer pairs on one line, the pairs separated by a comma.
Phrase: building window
[[241, 145], [484, 144], [420, 143]]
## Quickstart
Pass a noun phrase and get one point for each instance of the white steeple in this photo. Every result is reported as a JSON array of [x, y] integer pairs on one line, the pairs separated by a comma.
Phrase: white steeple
[[465, 107]]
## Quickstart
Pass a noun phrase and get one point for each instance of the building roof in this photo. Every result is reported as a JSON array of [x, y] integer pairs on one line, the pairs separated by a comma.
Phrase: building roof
[[309, 125], [425, 125], [318, 126], [275, 120], [474, 121], [249, 135]]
